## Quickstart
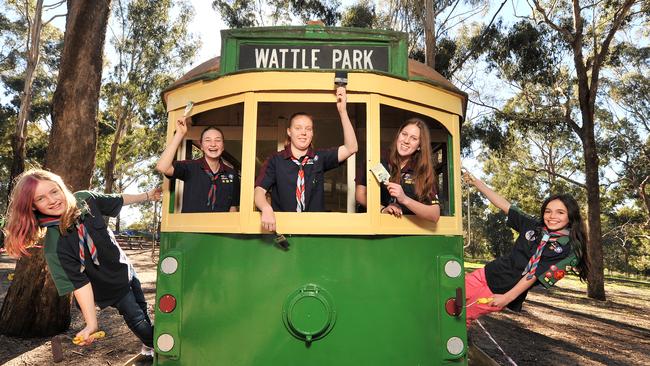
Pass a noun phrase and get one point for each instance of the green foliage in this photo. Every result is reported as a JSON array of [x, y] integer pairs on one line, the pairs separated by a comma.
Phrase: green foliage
[[253, 13], [361, 14], [523, 55], [151, 46], [13, 40]]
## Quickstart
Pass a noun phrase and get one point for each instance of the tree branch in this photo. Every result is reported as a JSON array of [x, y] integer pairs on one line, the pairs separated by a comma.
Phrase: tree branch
[[569, 37], [545, 170]]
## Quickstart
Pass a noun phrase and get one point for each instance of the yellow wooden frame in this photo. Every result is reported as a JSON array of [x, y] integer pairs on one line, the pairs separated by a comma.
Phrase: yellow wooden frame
[[253, 88]]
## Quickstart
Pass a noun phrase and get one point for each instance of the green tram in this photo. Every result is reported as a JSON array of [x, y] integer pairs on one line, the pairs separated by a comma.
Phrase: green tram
[[355, 288]]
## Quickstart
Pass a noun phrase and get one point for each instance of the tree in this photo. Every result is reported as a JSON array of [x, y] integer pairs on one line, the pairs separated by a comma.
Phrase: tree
[[253, 13], [589, 38], [561, 51], [32, 306], [151, 46], [28, 59]]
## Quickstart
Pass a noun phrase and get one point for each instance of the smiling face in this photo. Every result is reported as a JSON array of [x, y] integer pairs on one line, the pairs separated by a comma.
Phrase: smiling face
[[301, 132], [408, 141], [49, 199], [556, 215], [212, 144]]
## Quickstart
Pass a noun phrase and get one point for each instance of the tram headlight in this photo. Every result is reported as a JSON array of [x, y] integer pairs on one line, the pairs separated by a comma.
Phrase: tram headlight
[[455, 345], [169, 265], [165, 342], [453, 268]]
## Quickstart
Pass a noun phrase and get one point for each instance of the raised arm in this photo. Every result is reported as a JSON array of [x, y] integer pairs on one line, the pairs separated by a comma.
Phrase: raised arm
[[165, 165], [152, 195], [350, 145], [491, 195]]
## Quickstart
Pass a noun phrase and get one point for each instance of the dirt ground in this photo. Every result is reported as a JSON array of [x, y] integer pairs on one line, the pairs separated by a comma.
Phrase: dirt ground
[[118, 346], [561, 327]]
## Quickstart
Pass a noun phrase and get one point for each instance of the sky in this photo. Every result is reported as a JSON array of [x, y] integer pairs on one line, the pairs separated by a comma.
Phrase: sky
[[207, 25]]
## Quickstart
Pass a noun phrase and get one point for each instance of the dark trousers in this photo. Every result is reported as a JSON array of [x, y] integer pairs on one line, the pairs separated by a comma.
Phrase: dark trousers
[[133, 308]]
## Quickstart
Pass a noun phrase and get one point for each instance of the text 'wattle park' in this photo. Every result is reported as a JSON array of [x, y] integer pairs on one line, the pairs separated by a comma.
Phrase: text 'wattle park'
[[313, 57]]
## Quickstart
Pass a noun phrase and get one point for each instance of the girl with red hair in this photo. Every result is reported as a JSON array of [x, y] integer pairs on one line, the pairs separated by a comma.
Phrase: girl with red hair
[[82, 254]]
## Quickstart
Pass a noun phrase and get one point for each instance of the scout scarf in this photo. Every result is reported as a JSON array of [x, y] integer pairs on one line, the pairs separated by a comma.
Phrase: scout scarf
[[84, 238], [212, 193], [300, 183], [547, 236]]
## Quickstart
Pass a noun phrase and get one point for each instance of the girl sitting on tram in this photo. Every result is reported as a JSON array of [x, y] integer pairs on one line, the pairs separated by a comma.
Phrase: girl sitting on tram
[[82, 254], [546, 249], [211, 185], [412, 185], [295, 175]]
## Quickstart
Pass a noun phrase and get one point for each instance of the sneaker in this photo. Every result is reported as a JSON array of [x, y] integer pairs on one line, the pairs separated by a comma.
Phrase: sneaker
[[140, 360], [147, 351]]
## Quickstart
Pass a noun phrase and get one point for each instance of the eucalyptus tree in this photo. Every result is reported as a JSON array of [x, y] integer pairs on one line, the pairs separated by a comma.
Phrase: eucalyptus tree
[[560, 50], [152, 44], [258, 13], [29, 53], [32, 306]]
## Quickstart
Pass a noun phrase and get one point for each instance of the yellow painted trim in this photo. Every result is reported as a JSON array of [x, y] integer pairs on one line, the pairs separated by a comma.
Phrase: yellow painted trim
[[413, 91], [373, 157], [214, 222], [249, 142], [253, 88], [458, 192]]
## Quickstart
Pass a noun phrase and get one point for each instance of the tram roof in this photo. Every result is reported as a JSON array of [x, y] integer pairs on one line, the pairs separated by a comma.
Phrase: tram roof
[[417, 71], [259, 49]]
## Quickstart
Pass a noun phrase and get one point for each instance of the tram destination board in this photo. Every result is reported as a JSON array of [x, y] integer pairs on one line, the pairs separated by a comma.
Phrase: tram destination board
[[311, 57]]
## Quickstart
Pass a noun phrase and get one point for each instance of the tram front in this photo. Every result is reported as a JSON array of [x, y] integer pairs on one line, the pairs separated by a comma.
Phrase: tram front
[[355, 287]]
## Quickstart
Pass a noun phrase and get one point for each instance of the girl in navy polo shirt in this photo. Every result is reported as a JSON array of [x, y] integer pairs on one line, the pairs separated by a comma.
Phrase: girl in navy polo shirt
[[82, 254], [544, 251], [295, 175], [211, 185], [412, 186]]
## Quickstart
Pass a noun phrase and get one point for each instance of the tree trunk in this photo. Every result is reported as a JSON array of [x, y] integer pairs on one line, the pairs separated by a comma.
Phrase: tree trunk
[[430, 33], [32, 306], [19, 140], [596, 280]]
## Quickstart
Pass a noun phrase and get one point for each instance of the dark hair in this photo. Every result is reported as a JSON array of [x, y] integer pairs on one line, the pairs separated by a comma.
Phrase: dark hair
[[212, 128], [421, 160], [577, 231]]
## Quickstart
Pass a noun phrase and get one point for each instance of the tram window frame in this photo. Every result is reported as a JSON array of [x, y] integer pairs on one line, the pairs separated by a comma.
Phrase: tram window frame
[[189, 149], [272, 123], [440, 145]]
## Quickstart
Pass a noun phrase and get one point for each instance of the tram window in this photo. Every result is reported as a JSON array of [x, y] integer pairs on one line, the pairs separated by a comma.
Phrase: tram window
[[272, 123], [229, 120], [392, 118]]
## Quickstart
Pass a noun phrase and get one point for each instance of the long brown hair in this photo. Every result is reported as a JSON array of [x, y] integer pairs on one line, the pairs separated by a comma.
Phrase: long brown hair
[[577, 231], [421, 160], [22, 229]]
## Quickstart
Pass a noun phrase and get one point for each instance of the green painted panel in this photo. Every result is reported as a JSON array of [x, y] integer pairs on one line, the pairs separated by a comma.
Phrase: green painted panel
[[387, 292], [323, 39]]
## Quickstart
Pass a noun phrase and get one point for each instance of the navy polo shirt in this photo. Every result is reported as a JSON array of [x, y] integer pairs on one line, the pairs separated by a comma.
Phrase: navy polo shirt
[[407, 182], [503, 273], [279, 174], [198, 183], [110, 280]]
